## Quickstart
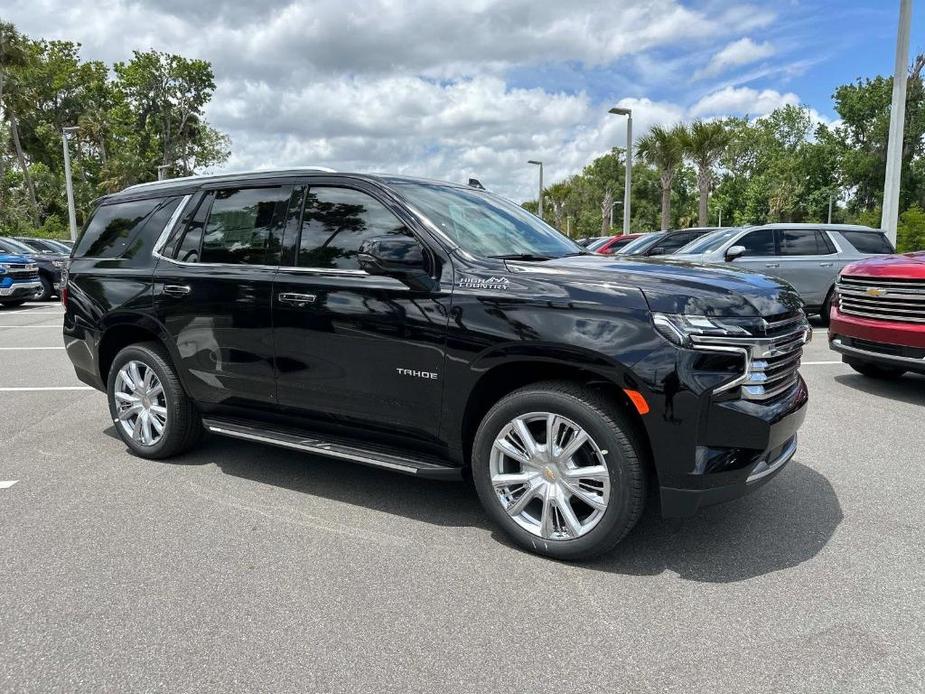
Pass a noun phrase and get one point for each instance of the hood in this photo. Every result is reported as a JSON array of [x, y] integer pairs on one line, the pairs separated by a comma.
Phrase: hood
[[14, 259], [908, 266], [672, 286]]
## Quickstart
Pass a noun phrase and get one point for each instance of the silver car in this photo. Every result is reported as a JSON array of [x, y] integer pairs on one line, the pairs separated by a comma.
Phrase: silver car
[[808, 256]]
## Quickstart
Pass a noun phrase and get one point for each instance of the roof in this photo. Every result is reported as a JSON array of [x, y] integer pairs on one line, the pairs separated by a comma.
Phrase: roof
[[830, 227], [183, 182]]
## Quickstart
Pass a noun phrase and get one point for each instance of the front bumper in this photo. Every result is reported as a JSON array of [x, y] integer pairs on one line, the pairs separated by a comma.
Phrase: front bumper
[[20, 290], [887, 343]]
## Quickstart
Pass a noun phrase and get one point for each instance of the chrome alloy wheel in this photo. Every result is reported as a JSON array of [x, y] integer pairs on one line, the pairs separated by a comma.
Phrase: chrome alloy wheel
[[550, 476], [141, 406]]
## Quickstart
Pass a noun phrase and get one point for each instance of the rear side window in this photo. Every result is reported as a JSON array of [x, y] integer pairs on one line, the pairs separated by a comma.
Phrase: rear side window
[[114, 227], [241, 223], [869, 242], [336, 221], [758, 243], [804, 242]]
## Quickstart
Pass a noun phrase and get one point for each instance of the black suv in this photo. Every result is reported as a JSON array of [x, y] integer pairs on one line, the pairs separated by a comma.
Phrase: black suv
[[437, 330]]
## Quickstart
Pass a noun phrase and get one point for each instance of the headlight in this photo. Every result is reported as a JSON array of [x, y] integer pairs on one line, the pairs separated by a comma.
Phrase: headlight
[[680, 329]]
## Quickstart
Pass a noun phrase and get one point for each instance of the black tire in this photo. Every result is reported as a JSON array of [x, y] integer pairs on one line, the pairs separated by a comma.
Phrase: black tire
[[610, 429], [866, 368], [48, 290], [826, 309], [13, 304], [183, 427]]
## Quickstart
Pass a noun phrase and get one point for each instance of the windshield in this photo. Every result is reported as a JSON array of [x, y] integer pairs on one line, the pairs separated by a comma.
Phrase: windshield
[[708, 243], [594, 245], [485, 224], [13, 246], [641, 244]]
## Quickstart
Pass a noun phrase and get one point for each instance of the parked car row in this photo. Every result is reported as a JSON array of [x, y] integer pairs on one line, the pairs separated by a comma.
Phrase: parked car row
[[46, 256]]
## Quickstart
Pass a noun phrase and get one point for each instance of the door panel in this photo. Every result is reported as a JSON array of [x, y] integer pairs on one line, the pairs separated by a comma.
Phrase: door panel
[[219, 313], [366, 351]]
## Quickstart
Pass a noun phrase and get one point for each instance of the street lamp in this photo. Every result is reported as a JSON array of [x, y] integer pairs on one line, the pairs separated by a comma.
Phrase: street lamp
[[160, 171], [628, 184], [539, 203], [69, 185], [613, 205], [894, 148]]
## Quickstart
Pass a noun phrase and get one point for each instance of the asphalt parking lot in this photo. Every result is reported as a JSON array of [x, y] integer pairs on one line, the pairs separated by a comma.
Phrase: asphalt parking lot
[[246, 568]]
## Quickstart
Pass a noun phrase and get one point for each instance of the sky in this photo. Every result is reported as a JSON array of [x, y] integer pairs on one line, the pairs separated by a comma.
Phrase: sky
[[475, 88]]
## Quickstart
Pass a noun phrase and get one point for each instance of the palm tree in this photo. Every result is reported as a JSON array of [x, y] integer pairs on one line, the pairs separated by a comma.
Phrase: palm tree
[[704, 144], [663, 148]]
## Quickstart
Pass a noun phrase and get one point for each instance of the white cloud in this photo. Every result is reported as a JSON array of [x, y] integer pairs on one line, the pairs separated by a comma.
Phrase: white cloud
[[738, 53], [411, 86], [742, 101]]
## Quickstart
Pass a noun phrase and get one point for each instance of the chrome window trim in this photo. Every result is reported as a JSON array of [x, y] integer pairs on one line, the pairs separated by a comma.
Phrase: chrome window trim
[[169, 227]]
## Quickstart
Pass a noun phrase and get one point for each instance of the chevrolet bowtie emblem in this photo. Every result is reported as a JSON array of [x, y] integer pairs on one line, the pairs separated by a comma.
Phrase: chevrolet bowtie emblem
[[875, 291]]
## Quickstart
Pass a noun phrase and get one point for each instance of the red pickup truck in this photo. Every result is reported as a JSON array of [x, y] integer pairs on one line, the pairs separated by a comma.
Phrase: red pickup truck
[[878, 318]]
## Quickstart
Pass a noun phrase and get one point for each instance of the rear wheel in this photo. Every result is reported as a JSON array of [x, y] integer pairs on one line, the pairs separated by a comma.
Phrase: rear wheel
[[558, 469], [826, 309], [865, 368], [152, 413]]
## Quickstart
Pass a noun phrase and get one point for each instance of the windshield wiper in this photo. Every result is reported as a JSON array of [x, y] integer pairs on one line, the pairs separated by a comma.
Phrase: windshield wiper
[[521, 256]]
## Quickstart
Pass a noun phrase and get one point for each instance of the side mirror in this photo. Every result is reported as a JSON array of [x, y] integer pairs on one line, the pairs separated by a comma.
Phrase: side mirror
[[734, 252], [396, 256]]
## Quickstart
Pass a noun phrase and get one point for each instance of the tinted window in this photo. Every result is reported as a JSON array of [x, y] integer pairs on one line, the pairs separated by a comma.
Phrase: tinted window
[[241, 223], [639, 245], [869, 241], [672, 242], [804, 242], [113, 227], [759, 242], [336, 221], [140, 246]]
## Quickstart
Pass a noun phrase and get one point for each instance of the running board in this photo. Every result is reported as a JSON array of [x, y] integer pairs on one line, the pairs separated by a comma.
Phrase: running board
[[421, 465]]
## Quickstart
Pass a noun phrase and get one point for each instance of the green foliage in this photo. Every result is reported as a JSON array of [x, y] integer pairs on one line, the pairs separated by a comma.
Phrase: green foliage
[[910, 233], [140, 114]]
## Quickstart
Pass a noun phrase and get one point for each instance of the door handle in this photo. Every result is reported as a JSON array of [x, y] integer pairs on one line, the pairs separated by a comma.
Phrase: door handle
[[296, 299], [176, 289], [826, 264], [773, 265]]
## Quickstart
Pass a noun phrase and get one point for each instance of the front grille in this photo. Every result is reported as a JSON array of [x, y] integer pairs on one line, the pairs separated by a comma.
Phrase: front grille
[[771, 355], [22, 272], [890, 299]]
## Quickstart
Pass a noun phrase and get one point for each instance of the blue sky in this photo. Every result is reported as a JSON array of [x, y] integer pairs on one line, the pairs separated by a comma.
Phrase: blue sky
[[452, 89]]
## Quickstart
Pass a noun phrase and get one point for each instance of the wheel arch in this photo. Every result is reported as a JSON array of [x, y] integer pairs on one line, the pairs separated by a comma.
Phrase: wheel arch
[[502, 379], [125, 330]]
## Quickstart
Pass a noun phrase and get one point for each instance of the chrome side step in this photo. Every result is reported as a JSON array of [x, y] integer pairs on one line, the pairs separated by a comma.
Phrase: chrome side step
[[420, 465]]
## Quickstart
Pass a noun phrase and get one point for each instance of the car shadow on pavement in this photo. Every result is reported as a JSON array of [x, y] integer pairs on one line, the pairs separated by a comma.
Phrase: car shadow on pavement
[[909, 388], [781, 525]]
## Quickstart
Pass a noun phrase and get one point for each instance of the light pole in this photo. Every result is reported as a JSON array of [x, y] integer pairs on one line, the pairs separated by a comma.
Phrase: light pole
[[160, 171], [71, 210], [894, 149], [539, 202], [628, 184], [613, 205]]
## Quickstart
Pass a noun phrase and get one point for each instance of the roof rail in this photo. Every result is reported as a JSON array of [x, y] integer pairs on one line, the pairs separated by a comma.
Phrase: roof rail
[[226, 174]]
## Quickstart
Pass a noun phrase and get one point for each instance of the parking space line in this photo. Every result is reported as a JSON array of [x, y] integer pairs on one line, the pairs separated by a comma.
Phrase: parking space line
[[26, 389], [819, 363], [6, 484], [25, 349], [56, 327]]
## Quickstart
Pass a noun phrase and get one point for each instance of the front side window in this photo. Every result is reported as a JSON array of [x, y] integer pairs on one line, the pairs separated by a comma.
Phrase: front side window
[[336, 221], [241, 223], [758, 243], [804, 242], [484, 224]]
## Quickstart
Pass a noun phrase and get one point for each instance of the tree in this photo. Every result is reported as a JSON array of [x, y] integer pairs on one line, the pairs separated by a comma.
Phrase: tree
[[663, 149], [14, 56], [704, 143]]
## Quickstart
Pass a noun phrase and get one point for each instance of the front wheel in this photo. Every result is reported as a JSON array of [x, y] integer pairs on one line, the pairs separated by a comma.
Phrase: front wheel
[[865, 368], [559, 470], [151, 411]]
